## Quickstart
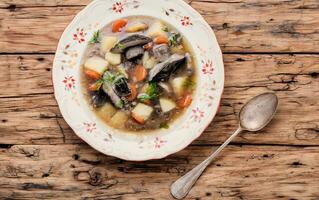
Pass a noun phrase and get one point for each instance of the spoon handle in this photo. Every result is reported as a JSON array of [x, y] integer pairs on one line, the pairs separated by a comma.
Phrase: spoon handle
[[183, 185]]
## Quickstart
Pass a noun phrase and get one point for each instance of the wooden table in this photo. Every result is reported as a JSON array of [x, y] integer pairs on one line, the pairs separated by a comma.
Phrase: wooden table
[[270, 45]]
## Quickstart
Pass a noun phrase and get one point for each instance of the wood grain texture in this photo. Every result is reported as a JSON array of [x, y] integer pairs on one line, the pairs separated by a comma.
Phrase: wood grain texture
[[241, 26], [79, 172], [7, 4], [27, 92]]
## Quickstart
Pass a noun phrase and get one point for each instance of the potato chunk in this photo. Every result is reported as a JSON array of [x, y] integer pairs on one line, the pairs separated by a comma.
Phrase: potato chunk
[[157, 29], [119, 119], [178, 85], [120, 68], [141, 113], [137, 27], [96, 64], [113, 59], [148, 61], [106, 112], [107, 43], [167, 105]]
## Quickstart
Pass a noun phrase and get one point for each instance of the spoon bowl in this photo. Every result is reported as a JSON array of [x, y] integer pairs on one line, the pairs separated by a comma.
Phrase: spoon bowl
[[258, 112], [254, 116]]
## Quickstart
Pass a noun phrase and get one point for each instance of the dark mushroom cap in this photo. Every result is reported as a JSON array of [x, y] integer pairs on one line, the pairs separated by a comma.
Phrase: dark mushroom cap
[[163, 71], [130, 41]]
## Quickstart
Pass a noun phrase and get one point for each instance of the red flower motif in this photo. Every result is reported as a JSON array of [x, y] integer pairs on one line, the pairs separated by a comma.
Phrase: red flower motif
[[197, 115], [208, 67], [159, 143], [79, 35], [89, 127], [118, 7], [69, 82], [185, 21]]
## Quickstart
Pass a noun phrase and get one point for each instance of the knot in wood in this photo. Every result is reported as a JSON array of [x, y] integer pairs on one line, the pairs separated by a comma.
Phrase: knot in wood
[[96, 176]]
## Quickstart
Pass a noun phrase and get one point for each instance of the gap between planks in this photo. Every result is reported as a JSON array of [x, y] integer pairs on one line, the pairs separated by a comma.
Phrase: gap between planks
[[13, 6], [226, 53], [232, 144]]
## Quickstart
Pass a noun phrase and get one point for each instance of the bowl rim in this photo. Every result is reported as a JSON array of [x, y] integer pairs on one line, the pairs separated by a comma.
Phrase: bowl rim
[[155, 156]]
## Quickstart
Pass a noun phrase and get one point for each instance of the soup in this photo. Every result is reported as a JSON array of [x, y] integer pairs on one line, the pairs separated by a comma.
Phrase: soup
[[138, 74]]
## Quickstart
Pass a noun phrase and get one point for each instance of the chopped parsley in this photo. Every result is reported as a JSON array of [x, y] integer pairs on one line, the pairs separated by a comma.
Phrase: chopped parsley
[[143, 97], [164, 125], [175, 39], [165, 29], [99, 84], [119, 104], [111, 78], [151, 92], [189, 83], [108, 77], [96, 37], [120, 46]]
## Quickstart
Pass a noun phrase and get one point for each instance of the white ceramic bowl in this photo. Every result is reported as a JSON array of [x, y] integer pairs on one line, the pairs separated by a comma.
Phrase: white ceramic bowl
[[157, 144]]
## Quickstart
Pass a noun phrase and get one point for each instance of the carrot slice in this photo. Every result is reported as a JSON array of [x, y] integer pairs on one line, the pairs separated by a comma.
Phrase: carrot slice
[[92, 74], [185, 101], [95, 86], [161, 40], [118, 25], [133, 95], [148, 46], [139, 119], [139, 73]]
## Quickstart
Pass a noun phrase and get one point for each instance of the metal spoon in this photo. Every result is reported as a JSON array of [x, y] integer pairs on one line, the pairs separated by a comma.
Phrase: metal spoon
[[254, 116]]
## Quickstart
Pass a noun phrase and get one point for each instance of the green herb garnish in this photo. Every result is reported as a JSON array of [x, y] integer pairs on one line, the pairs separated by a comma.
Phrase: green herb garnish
[[189, 83], [120, 46], [175, 39], [151, 92], [165, 29], [97, 85], [152, 89], [108, 77], [96, 38], [164, 125], [112, 78], [143, 97], [118, 76], [119, 104]]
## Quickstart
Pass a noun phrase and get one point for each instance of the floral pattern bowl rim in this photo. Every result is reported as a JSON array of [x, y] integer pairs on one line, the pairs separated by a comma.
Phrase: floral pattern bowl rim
[[156, 144]]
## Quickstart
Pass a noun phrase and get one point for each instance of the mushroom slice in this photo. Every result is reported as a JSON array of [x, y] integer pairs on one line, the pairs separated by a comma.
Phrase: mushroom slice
[[189, 65], [116, 100], [99, 98], [134, 52], [130, 41], [109, 90], [162, 71], [161, 52], [121, 87]]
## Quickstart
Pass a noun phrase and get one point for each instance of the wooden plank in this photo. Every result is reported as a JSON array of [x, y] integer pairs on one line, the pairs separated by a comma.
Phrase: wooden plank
[[33, 120], [40, 3], [294, 78], [25, 75], [240, 26], [33, 29], [263, 26], [79, 172]]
